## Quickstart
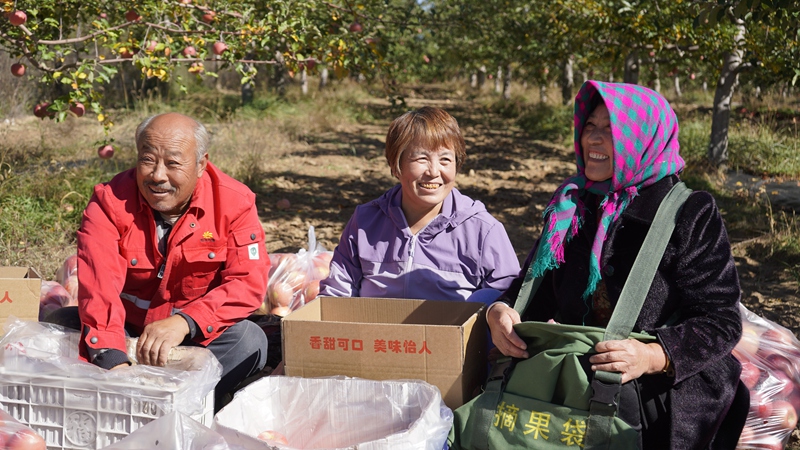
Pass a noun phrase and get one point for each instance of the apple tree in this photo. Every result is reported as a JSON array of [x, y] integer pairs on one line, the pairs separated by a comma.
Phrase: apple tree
[[80, 44]]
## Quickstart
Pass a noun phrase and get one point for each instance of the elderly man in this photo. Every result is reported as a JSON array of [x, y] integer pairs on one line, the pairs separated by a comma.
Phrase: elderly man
[[172, 251]]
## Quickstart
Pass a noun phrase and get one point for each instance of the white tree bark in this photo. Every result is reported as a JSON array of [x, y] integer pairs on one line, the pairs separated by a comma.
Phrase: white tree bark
[[676, 81], [567, 80], [304, 81], [323, 78], [720, 119], [498, 88], [543, 93], [657, 79], [473, 80], [481, 77]]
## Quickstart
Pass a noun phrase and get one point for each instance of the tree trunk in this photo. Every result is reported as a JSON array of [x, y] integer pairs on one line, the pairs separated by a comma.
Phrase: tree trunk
[[323, 78], [720, 120], [705, 87], [632, 63], [610, 77], [543, 93], [657, 79], [507, 83], [497, 86], [304, 81], [567, 81], [585, 76], [677, 82], [279, 78], [473, 80]]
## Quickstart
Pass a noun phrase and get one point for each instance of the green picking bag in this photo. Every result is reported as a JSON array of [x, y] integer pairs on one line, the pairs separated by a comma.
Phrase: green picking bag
[[553, 399]]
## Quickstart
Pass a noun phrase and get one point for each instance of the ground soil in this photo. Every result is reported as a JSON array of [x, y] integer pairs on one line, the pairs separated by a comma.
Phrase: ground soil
[[330, 173]]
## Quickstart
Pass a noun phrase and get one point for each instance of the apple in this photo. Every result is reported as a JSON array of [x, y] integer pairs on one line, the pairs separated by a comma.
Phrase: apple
[[17, 69], [209, 16], [311, 291], [283, 204], [151, 46], [103, 15], [189, 52], [126, 53], [197, 68], [26, 439], [767, 441], [67, 269], [41, 110], [280, 294], [750, 374], [167, 51], [760, 405], [784, 385], [78, 109], [105, 151], [295, 278], [782, 363], [273, 437], [781, 337], [691, 76], [786, 414], [749, 342], [132, 16], [310, 64], [280, 311], [52, 296], [355, 27], [186, 2], [18, 18], [219, 48]]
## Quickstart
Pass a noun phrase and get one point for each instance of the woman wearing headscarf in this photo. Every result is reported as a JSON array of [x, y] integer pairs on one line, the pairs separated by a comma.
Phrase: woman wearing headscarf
[[626, 143]]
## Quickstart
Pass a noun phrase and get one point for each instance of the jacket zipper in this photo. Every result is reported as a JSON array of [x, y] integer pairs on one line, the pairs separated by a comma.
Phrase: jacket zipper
[[407, 270]]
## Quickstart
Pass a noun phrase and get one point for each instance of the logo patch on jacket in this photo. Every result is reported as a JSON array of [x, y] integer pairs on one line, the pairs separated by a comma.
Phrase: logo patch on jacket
[[207, 236], [252, 251]]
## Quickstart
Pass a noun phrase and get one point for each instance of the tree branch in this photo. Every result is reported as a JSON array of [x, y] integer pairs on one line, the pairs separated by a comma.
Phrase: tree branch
[[84, 38]]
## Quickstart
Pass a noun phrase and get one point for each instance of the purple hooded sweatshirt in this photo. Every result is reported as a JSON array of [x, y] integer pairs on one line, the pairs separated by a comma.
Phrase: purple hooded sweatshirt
[[461, 250]]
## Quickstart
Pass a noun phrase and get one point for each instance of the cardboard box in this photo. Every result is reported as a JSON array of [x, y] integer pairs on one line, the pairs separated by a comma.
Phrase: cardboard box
[[441, 342], [19, 293]]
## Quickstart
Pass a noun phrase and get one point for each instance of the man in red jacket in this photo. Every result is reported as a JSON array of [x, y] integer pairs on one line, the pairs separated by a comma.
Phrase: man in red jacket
[[172, 251]]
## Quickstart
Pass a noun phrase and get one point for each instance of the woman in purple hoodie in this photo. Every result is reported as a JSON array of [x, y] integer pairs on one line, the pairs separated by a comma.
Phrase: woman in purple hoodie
[[423, 238]]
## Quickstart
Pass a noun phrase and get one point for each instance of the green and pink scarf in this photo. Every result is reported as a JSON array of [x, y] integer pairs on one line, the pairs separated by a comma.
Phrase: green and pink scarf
[[644, 130]]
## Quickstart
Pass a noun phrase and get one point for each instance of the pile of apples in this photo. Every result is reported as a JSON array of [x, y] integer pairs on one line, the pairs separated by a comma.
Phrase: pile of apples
[[16, 436], [770, 358], [61, 292], [294, 280]]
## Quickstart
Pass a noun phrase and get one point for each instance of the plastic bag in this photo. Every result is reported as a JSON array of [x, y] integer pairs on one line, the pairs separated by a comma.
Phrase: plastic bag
[[67, 275], [16, 435], [53, 296], [294, 278], [770, 358], [336, 413], [174, 431], [32, 349]]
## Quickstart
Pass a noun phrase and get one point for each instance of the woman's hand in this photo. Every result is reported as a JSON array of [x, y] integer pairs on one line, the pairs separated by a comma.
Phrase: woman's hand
[[501, 320], [629, 357]]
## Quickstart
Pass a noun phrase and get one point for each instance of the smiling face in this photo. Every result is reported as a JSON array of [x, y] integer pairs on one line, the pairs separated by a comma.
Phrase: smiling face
[[426, 177], [597, 145], [167, 169]]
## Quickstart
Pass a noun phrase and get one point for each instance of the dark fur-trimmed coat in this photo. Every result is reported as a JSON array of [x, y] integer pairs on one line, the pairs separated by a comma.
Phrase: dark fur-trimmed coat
[[695, 290]]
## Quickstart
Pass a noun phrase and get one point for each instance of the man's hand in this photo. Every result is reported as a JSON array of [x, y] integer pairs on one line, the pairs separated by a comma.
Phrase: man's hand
[[158, 338], [501, 320], [629, 357]]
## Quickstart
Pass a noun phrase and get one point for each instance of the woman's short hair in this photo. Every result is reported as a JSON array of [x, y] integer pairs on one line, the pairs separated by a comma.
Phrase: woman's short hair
[[428, 127]]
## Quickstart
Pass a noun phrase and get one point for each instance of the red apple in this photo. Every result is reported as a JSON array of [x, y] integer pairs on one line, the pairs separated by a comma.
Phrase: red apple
[[51, 297], [782, 363], [151, 46], [280, 311], [280, 294], [103, 15], [18, 18], [786, 414], [781, 337], [783, 385], [691, 76], [760, 405], [767, 441], [355, 27], [311, 291], [105, 151], [78, 109], [186, 2], [132, 16], [273, 436], [295, 279], [209, 16], [750, 374], [126, 53], [41, 110], [189, 52], [749, 342], [283, 204], [310, 64], [219, 48], [26, 439], [746, 437], [17, 69]]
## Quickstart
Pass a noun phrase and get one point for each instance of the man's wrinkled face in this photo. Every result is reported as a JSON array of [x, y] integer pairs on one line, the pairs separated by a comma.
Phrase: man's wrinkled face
[[167, 169]]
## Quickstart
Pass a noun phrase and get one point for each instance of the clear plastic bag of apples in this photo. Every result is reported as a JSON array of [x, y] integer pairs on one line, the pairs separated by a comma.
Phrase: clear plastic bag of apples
[[16, 436], [770, 357], [294, 277]]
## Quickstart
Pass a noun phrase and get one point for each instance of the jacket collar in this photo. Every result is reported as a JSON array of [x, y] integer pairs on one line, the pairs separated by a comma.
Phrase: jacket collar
[[643, 208], [455, 210]]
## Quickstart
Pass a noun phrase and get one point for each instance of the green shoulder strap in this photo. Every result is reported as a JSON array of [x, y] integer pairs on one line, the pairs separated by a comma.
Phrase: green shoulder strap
[[603, 406]]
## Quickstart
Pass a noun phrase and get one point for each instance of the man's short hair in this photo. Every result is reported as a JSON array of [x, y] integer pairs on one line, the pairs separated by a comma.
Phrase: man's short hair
[[201, 136], [428, 127]]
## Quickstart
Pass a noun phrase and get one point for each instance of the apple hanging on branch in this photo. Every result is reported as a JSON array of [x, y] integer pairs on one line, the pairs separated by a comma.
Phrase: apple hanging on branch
[[18, 18], [219, 48], [105, 151], [78, 109], [17, 69]]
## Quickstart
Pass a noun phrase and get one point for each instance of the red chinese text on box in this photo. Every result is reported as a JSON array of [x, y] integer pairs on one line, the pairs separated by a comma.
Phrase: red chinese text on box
[[357, 345]]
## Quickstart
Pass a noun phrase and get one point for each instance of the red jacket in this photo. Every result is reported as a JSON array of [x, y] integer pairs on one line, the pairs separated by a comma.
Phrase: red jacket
[[215, 270]]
